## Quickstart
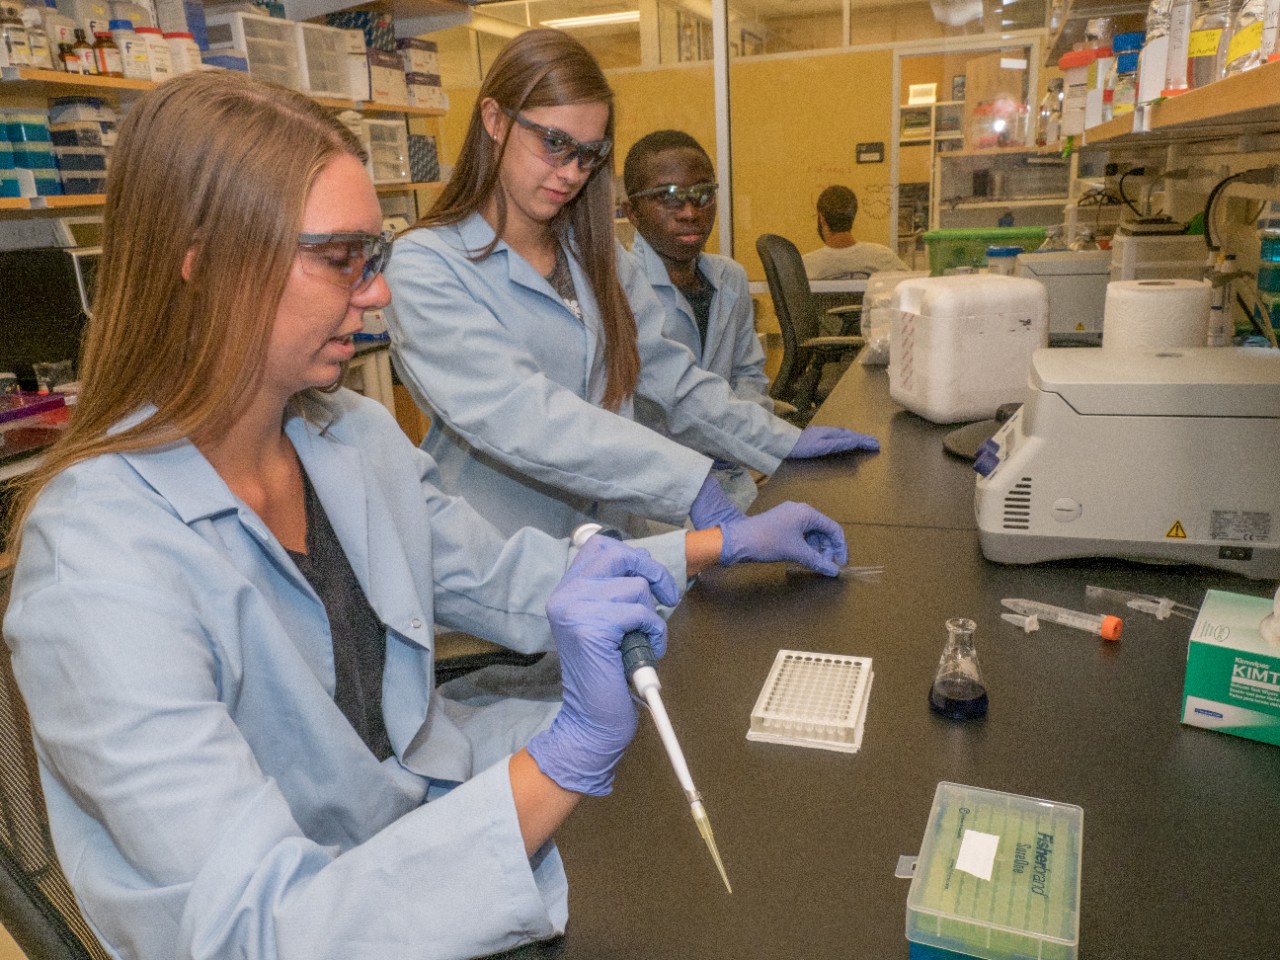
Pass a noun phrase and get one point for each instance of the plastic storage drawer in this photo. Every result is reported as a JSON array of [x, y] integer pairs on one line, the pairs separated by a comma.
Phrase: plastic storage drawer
[[387, 142], [270, 45], [322, 55]]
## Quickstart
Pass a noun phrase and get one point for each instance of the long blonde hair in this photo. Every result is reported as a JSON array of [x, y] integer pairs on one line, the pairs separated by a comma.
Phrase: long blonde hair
[[209, 178], [544, 68]]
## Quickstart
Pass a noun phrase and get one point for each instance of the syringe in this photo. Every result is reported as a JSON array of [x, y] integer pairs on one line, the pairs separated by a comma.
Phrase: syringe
[[1103, 625], [638, 661]]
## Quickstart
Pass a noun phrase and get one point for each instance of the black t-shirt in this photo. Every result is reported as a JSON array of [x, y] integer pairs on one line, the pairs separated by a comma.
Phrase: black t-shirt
[[700, 296], [359, 638]]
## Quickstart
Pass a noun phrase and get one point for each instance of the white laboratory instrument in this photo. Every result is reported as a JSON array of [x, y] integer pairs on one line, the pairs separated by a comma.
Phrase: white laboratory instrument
[[1076, 282], [1158, 456]]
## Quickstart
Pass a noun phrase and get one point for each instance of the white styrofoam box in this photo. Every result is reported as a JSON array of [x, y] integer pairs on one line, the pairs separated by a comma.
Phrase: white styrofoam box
[[961, 346], [322, 57], [357, 65], [387, 143], [877, 313], [270, 45]]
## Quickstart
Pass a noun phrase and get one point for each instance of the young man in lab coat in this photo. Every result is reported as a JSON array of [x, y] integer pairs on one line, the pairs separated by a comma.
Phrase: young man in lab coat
[[671, 201]]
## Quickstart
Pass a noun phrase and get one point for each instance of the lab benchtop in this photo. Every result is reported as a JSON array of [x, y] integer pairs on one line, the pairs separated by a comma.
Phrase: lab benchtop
[[1178, 853]]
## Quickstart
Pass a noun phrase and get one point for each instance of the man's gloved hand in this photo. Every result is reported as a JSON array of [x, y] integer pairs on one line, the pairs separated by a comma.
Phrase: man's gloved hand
[[824, 441], [790, 531], [608, 590], [711, 508]]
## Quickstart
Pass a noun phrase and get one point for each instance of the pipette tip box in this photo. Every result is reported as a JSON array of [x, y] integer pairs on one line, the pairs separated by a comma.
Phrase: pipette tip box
[[998, 878], [813, 700]]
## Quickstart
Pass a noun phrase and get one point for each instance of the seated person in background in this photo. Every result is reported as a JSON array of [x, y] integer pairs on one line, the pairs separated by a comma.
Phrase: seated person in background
[[671, 201], [841, 256]]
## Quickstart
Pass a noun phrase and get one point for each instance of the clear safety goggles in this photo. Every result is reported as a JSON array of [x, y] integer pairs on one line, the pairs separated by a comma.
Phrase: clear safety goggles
[[351, 260], [673, 197], [558, 148]]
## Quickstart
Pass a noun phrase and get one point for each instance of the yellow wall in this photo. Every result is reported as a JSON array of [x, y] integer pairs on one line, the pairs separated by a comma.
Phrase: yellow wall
[[795, 120]]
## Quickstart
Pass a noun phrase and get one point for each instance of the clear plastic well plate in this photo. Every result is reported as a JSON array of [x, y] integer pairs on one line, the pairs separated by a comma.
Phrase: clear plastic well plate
[[813, 700]]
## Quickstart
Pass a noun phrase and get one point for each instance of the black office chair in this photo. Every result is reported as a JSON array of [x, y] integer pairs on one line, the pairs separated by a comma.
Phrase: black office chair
[[36, 903], [805, 353]]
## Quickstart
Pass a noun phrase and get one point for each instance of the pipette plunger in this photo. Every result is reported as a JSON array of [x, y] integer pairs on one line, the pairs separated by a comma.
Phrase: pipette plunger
[[638, 662]]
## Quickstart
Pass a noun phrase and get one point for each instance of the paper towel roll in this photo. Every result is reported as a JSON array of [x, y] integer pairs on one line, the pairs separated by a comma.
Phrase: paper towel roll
[[1153, 314]]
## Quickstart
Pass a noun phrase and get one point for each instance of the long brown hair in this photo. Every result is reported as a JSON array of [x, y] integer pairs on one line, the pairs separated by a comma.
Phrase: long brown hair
[[546, 68], [209, 176]]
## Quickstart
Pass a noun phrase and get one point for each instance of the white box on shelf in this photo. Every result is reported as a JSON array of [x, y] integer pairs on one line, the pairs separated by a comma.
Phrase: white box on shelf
[[322, 56], [357, 65], [270, 45], [424, 90], [386, 78], [419, 56]]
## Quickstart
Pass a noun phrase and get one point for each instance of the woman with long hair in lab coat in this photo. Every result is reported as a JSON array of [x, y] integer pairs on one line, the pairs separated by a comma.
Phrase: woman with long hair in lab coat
[[229, 572], [525, 332]]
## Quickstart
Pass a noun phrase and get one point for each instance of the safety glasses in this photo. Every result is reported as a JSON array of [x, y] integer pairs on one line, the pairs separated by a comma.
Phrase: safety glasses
[[673, 197], [351, 260], [558, 148]]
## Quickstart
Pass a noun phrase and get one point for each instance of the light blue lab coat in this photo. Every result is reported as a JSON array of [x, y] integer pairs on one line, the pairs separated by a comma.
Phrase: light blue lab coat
[[732, 350], [513, 383], [207, 796]]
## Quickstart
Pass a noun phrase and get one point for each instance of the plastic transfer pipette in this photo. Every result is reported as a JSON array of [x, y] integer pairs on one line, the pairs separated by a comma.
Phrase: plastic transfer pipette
[[1160, 607], [638, 661], [1107, 627]]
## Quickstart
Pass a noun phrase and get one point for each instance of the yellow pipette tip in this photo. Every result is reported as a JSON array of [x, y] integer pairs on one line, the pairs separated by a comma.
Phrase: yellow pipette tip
[[704, 828]]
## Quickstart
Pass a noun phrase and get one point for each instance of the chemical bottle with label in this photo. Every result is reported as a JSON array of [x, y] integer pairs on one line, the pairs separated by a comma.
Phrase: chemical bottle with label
[[1208, 41], [58, 27], [1049, 119], [1250, 44], [32, 15], [84, 50], [14, 37], [133, 50], [106, 56]]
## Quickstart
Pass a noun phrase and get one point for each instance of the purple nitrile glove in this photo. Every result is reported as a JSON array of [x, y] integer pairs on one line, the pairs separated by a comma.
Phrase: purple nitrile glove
[[608, 590], [824, 441], [711, 508], [790, 531]]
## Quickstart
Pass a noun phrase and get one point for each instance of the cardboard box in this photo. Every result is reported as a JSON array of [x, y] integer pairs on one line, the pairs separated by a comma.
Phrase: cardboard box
[[1233, 672], [386, 77], [419, 56], [425, 91]]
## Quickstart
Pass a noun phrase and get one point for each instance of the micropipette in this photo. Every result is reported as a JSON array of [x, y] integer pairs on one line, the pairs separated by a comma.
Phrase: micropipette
[[1103, 625], [638, 661]]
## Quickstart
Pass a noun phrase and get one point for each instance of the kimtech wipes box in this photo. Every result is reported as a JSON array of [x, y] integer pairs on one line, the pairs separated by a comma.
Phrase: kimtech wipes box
[[1233, 671]]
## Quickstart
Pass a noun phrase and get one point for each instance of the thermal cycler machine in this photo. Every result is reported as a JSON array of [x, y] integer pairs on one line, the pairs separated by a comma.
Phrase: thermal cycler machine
[[1159, 456]]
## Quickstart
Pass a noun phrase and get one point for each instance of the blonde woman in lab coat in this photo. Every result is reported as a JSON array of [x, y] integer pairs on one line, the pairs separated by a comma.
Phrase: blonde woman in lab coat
[[229, 571], [526, 332]]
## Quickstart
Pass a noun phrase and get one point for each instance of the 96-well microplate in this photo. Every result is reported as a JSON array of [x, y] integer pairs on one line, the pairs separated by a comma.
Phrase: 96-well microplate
[[813, 700]]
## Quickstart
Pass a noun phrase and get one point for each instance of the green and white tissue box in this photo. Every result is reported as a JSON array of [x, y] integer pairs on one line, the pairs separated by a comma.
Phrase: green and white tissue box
[[1233, 672]]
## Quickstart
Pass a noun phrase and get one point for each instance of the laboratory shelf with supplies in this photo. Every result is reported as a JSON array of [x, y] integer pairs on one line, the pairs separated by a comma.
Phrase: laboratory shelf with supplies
[[1171, 864], [973, 188]]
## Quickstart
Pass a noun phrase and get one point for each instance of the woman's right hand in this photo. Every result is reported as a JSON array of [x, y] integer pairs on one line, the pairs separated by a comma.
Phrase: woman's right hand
[[608, 591]]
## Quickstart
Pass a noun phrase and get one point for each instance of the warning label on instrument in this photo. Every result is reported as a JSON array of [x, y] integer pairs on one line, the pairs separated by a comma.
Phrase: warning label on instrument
[[1240, 526], [1176, 532]]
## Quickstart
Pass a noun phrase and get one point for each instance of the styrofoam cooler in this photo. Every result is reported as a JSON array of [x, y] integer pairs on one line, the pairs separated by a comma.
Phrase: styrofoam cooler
[[961, 346]]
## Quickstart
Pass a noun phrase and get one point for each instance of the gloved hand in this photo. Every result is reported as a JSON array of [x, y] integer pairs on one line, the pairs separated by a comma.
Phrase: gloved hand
[[823, 441], [790, 531], [711, 508], [608, 590]]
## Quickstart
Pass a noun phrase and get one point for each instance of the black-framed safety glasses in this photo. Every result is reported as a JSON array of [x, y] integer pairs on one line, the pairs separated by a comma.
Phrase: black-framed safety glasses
[[558, 148], [673, 197], [351, 260]]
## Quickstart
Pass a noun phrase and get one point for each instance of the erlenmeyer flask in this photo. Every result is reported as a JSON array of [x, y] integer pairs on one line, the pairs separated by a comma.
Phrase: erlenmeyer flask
[[958, 691]]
